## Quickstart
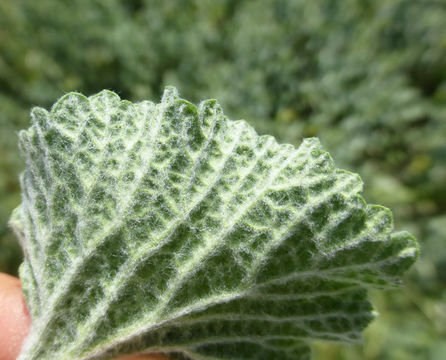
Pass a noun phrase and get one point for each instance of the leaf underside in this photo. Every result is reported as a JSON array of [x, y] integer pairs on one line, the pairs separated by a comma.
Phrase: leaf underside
[[169, 228]]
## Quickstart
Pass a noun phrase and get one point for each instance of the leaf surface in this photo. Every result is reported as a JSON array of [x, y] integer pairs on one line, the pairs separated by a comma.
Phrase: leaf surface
[[169, 228]]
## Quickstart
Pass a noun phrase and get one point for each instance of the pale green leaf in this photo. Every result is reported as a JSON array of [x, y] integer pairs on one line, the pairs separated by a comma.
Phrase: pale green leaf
[[169, 228]]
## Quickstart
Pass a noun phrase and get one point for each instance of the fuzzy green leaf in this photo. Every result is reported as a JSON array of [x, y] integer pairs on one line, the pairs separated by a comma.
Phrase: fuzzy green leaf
[[169, 228]]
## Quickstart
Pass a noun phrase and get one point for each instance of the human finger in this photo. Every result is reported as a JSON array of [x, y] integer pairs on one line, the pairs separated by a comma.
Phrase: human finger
[[14, 317]]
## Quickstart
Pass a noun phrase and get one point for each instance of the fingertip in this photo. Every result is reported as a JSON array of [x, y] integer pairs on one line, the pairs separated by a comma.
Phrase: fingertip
[[8, 281], [14, 317]]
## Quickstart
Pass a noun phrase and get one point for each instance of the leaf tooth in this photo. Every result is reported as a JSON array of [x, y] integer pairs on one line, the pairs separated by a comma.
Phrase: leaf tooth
[[67, 110], [170, 94], [103, 103], [41, 118]]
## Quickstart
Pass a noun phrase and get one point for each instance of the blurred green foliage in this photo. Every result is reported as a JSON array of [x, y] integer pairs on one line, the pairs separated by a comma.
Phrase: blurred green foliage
[[366, 76]]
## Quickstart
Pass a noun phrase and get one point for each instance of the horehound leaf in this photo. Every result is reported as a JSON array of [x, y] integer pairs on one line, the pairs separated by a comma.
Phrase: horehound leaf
[[169, 228]]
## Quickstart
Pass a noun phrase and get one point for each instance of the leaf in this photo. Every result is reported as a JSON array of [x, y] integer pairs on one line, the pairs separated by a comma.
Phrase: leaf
[[169, 228]]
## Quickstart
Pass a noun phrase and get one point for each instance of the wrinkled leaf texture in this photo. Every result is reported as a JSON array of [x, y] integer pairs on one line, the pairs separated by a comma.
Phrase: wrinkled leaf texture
[[169, 228]]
